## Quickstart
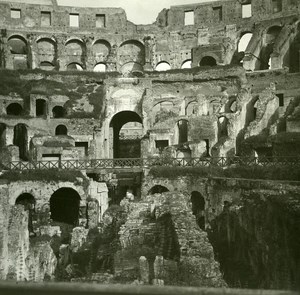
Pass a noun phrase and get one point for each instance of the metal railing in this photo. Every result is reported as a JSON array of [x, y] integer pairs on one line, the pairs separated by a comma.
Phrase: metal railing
[[130, 163]]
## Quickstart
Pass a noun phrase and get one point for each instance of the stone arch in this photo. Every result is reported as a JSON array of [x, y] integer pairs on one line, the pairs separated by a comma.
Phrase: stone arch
[[163, 106], [47, 66], [2, 135], [183, 129], [61, 130], [58, 112], [101, 48], [208, 61], [14, 109], [191, 108], [18, 45], [100, 67], [131, 67], [162, 66], [198, 208], [158, 189], [244, 41], [19, 50], [46, 47], [28, 202], [129, 149], [64, 206], [74, 47], [20, 140], [74, 66], [131, 51], [186, 64], [270, 37]]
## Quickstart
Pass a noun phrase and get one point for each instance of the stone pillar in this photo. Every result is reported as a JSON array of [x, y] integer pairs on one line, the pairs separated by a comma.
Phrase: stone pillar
[[61, 57], [144, 270], [112, 59], [158, 271], [93, 214], [33, 59], [148, 53], [89, 64]]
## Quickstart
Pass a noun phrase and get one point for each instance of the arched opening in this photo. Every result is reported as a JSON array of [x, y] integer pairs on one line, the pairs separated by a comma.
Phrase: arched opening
[[187, 64], [233, 106], [17, 45], [28, 201], [208, 61], [198, 208], [19, 49], [14, 109], [100, 67], [58, 112], [74, 67], [132, 67], [131, 51], [74, 48], [191, 108], [157, 189], [47, 51], [162, 66], [182, 126], [20, 140], [269, 42], [61, 130], [64, 206], [2, 135], [244, 42], [40, 107], [46, 66], [127, 140], [101, 49], [222, 127]]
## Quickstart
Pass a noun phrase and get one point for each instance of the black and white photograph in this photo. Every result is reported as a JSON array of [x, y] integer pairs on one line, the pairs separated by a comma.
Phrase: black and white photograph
[[150, 147]]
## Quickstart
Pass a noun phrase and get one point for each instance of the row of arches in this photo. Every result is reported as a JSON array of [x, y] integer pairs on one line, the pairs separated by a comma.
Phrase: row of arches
[[20, 137], [64, 207], [196, 199], [206, 61], [16, 109], [130, 53]]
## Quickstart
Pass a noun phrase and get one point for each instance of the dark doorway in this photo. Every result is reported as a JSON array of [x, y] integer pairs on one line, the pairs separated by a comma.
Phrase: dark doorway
[[14, 109], [20, 140], [198, 208], [2, 135], [126, 144], [64, 206], [28, 201], [182, 131], [40, 107], [208, 61], [61, 130], [58, 112]]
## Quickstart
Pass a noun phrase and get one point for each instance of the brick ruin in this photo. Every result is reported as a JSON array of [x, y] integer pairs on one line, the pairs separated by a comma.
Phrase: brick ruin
[[209, 80]]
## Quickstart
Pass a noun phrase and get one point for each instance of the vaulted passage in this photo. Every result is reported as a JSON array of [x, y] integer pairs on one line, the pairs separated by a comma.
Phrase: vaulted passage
[[126, 130], [64, 206], [198, 207]]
